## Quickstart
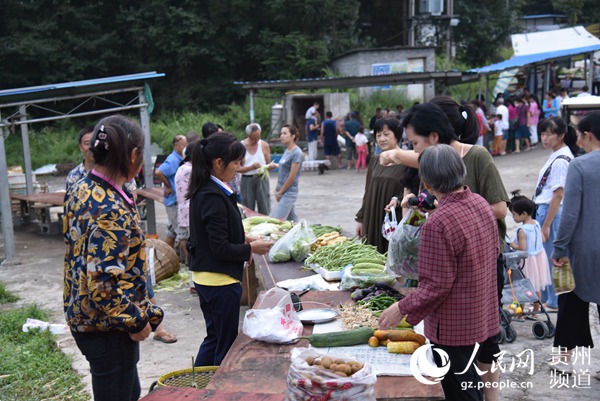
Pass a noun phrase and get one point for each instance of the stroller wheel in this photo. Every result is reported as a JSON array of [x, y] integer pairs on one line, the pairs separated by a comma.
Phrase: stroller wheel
[[511, 334], [502, 339], [540, 330]]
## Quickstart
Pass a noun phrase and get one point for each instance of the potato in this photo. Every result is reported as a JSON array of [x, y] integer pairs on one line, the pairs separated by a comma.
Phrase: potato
[[347, 369], [333, 367], [356, 367], [326, 362], [373, 342], [341, 374], [340, 361], [310, 360]]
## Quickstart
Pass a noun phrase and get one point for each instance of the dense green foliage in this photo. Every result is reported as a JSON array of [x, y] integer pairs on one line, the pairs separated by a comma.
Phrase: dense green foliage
[[205, 46], [6, 297], [32, 366]]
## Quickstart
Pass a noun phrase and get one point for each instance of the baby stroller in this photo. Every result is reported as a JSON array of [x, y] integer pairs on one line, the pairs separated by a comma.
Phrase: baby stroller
[[518, 290]]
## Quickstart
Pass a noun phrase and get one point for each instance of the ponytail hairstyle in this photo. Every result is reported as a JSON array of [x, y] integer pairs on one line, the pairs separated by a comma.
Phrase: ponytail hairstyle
[[519, 203], [426, 118], [557, 126], [113, 140], [462, 118], [222, 146]]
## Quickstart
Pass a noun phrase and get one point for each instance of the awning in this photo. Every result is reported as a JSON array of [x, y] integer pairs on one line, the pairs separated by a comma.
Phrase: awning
[[522, 61]]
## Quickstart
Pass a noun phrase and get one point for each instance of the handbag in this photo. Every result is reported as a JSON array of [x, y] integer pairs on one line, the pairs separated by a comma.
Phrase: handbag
[[540, 186], [562, 278]]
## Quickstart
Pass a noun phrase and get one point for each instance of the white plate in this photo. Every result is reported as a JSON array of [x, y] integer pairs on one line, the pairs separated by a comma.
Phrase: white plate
[[313, 316]]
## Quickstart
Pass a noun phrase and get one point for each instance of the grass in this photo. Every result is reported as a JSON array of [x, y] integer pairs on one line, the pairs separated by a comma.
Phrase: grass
[[7, 297], [32, 367]]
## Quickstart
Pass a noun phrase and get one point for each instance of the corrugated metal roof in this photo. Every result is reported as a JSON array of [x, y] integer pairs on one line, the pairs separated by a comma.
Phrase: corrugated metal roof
[[449, 77], [43, 91], [521, 61]]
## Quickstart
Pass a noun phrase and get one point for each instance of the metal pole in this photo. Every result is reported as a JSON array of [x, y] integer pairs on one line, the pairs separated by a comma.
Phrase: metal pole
[[251, 105], [148, 168], [411, 25], [590, 76], [26, 150], [487, 90], [450, 13], [8, 233], [547, 78]]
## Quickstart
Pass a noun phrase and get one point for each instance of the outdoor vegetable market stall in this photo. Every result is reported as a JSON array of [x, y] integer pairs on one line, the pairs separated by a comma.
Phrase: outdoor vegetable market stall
[[292, 341]]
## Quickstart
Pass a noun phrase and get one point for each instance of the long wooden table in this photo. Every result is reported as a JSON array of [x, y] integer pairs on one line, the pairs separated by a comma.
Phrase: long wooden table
[[253, 366], [40, 201]]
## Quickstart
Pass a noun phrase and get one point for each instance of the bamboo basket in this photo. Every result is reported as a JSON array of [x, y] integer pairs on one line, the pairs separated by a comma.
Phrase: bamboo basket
[[166, 261], [198, 378]]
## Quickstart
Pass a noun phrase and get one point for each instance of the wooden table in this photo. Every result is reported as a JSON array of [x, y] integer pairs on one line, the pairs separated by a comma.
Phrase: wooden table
[[254, 366], [269, 274], [192, 394], [42, 202]]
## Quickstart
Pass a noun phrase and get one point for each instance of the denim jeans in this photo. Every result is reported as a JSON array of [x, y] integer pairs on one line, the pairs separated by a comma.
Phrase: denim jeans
[[285, 209], [113, 358], [548, 294]]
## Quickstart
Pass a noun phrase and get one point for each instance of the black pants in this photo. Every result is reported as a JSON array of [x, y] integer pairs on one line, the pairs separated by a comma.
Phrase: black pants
[[463, 387], [221, 308], [113, 358], [573, 322]]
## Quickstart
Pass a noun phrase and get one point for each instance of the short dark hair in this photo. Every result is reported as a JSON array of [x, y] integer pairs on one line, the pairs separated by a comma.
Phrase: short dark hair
[[114, 138], [328, 114], [392, 123], [208, 129], [85, 130]]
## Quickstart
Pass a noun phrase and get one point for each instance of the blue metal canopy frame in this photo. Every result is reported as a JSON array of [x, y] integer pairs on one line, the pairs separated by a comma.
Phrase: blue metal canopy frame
[[13, 113]]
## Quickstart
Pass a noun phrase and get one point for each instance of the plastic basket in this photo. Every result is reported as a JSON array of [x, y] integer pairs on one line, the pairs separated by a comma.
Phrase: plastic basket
[[199, 378]]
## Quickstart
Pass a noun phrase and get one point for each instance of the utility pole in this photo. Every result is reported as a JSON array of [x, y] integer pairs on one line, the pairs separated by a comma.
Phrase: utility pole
[[450, 13], [411, 22]]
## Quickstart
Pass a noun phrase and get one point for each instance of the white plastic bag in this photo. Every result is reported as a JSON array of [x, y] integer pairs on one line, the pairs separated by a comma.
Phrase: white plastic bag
[[305, 382], [389, 225], [273, 319], [403, 246], [293, 245]]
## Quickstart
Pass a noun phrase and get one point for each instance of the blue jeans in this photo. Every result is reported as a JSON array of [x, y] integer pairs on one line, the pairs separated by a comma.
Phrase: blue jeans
[[548, 294], [113, 358], [221, 308], [285, 209]]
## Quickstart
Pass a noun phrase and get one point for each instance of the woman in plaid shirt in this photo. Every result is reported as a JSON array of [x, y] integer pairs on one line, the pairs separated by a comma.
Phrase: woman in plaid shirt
[[457, 294]]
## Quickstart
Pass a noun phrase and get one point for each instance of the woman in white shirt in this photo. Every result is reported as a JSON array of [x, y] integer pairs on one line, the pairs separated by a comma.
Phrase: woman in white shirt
[[562, 139]]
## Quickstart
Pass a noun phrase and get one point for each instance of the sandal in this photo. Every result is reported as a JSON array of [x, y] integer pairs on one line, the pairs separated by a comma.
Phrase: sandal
[[166, 337]]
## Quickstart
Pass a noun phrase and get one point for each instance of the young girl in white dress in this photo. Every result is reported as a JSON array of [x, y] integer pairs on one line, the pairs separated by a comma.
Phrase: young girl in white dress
[[529, 238]]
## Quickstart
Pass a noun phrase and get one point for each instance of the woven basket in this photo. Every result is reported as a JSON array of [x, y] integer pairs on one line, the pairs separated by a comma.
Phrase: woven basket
[[185, 378], [166, 261]]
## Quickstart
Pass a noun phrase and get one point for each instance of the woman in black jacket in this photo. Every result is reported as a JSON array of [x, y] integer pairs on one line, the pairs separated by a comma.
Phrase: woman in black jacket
[[217, 245]]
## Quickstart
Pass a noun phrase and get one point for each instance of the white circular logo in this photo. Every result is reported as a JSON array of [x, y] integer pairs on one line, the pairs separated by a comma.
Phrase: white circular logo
[[419, 363]]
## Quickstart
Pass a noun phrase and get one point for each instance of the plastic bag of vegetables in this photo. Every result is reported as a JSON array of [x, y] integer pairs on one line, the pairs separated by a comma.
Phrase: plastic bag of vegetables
[[293, 245], [403, 246], [316, 376]]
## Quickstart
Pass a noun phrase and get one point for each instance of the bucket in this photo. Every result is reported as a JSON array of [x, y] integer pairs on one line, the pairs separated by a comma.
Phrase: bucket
[[197, 377]]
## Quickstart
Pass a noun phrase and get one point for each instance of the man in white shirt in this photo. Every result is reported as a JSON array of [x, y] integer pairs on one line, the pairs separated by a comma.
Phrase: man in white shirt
[[312, 110], [585, 91], [503, 111]]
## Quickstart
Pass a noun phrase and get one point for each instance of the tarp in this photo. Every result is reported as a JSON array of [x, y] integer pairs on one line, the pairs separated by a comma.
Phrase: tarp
[[521, 61], [539, 47]]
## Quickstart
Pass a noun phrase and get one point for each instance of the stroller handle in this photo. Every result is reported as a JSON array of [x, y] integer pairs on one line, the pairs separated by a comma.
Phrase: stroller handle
[[514, 257]]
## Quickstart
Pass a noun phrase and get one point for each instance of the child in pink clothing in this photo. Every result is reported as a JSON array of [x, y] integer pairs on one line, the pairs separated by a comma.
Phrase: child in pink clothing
[[360, 140]]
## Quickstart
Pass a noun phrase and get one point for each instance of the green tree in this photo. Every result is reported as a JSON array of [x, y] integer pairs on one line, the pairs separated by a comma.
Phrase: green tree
[[484, 28]]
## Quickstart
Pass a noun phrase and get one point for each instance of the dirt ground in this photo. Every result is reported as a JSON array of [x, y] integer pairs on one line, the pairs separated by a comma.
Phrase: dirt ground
[[332, 198]]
